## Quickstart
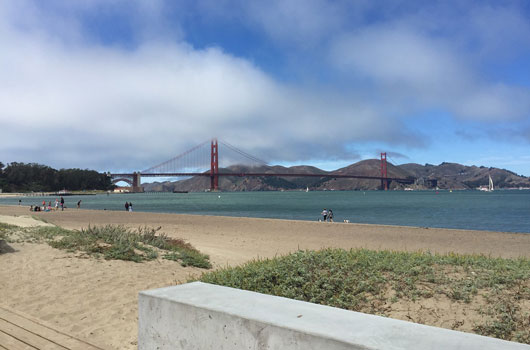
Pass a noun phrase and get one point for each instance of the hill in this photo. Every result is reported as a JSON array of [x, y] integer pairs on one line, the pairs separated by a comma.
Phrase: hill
[[447, 175], [458, 176]]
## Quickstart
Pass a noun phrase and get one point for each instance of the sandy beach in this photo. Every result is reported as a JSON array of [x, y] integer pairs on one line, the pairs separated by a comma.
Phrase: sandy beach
[[97, 299]]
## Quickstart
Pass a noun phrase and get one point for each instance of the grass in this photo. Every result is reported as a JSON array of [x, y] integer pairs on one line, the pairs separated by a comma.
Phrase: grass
[[5, 229], [370, 281], [111, 242]]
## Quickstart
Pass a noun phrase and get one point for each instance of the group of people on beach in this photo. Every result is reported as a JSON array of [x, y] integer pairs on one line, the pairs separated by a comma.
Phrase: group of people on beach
[[327, 215], [49, 207], [128, 206]]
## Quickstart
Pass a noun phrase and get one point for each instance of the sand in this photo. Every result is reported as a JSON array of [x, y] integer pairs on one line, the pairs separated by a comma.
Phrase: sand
[[23, 221], [96, 300]]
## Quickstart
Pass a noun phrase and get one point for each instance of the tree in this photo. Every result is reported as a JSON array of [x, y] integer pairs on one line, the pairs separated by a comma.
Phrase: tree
[[20, 177], [3, 183]]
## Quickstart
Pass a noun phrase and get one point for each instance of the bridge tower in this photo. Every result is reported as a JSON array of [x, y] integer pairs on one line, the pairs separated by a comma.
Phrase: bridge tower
[[214, 169], [137, 182], [384, 174]]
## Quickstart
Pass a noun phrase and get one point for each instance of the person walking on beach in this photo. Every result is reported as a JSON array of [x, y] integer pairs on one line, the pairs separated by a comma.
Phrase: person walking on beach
[[79, 204], [324, 214], [130, 206], [56, 204], [330, 215], [126, 206], [19, 202], [62, 203]]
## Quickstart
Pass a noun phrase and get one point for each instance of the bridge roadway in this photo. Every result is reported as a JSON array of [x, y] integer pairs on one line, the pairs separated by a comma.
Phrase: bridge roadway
[[338, 176]]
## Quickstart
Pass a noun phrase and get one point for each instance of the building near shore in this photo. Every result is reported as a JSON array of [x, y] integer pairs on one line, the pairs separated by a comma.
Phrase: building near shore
[[122, 190]]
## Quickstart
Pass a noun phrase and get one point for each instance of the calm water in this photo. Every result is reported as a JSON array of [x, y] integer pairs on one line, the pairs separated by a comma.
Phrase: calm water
[[496, 211]]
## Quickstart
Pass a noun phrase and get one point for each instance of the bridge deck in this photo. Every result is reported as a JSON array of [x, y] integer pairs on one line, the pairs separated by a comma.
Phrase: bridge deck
[[328, 175], [18, 331]]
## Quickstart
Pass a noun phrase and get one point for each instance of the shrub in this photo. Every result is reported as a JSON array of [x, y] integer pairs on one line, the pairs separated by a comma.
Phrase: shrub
[[370, 281]]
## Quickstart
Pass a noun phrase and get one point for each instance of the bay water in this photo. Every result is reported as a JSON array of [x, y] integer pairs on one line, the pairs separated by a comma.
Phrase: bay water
[[503, 210]]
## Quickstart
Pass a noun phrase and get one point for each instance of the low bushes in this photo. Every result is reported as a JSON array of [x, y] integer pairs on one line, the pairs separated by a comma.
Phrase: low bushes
[[113, 242], [374, 281]]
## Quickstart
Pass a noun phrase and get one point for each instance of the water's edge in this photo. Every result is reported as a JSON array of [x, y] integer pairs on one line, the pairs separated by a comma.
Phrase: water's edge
[[500, 211]]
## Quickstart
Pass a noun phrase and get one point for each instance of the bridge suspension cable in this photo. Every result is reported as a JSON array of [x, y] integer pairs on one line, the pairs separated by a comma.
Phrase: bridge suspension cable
[[172, 164], [197, 159], [243, 153]]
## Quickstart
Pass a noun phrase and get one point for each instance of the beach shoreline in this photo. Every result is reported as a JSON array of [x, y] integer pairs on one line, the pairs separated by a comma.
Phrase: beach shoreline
[[96, 299], [205, 230]]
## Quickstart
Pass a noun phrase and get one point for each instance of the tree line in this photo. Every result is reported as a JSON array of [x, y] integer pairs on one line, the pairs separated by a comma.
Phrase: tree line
[[33, 177]]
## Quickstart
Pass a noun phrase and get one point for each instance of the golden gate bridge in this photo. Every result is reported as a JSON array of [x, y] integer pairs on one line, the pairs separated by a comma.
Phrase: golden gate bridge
[[187, 163]]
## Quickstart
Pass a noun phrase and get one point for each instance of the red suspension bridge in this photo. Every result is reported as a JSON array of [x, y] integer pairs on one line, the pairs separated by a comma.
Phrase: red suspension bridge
[[190, 163]]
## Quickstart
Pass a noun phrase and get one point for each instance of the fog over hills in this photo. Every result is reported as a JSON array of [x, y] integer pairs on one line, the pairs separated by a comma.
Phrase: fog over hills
[[448, 176]]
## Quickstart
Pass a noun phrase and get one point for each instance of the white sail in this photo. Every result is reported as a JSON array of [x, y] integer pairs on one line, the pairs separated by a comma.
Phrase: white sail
[[489, 187]]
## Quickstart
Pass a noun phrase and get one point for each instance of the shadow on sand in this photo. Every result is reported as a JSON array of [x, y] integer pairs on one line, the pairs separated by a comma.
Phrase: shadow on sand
[[5, 248]]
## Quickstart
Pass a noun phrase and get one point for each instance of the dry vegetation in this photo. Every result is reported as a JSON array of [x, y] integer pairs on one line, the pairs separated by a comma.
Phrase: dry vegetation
[[111, 242]]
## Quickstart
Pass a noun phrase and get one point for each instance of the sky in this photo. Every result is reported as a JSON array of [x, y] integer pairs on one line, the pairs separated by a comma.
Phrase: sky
[[121, 85]]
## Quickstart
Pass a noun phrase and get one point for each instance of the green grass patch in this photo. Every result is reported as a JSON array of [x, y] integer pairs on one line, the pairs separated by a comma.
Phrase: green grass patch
[[112, 242], [369, 281]]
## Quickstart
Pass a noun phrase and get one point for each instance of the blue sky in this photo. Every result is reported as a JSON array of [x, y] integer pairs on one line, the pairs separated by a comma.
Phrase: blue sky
[[120, 85]]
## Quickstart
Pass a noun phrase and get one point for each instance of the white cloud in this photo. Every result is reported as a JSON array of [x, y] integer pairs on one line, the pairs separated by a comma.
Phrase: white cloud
[[500, 31], [304, 22], [77, 104], [410, 69], [394, 56], [301, 23], [495, 102], [413, 56], [70, 99]]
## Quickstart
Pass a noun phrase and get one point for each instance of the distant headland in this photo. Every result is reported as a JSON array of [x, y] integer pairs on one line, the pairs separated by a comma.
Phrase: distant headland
[[447, 175]]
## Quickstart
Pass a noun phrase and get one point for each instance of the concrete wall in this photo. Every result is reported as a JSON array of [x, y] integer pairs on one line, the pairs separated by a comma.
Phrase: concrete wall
[[203, 316]]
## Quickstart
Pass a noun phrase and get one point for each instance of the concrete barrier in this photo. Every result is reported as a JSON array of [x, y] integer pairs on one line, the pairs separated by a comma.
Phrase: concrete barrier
[[204, 316]]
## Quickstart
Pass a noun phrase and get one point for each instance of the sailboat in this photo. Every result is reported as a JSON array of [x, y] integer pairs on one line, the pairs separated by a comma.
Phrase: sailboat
[[307, 189], [490, 186]]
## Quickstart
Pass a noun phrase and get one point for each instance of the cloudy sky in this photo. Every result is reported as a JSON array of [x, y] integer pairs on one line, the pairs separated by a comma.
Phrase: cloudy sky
[[120, 85]]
